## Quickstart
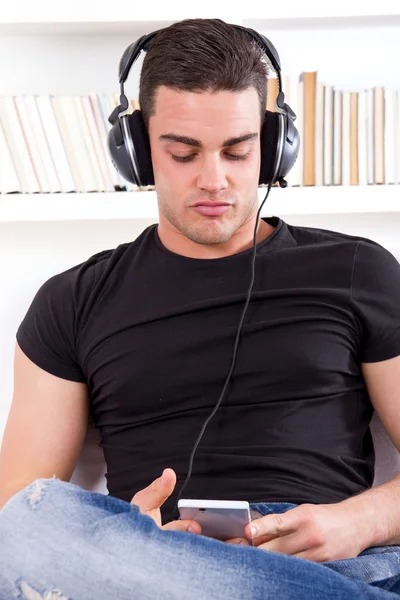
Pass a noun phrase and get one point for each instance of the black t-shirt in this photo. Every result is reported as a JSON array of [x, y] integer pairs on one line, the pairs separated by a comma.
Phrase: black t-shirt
[[152, 334]]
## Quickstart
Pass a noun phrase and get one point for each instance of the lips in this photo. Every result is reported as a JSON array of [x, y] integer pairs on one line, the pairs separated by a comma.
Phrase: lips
[[211, 209]]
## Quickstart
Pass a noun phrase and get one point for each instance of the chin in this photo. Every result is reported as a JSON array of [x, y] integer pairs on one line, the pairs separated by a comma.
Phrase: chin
[[209, 235]]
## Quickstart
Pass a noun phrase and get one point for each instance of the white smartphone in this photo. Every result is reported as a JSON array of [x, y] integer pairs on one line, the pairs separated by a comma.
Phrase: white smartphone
[[219, 519]]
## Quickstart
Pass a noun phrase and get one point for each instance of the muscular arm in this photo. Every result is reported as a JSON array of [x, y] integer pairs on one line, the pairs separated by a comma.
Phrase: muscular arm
[[45, 429]]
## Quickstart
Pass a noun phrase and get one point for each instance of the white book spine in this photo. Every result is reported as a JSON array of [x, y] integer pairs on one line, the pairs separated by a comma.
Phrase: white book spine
[[102, 140], [55, 142], [18, 147], [9, 182], [379, 135], [69, 142], [346, 139], [337, 138], [389, 136], [362, 138], [33, 146], [328, 135], [97, 143], [89, 182], [370, 136], [319, 134], [43, 146], [87, 137]]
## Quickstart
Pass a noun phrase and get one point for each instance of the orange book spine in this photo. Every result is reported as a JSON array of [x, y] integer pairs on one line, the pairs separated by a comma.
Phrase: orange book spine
[[310, 84]]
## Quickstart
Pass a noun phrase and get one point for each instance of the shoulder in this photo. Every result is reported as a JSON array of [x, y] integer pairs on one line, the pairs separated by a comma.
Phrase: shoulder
[[314, 236], [363, 252]]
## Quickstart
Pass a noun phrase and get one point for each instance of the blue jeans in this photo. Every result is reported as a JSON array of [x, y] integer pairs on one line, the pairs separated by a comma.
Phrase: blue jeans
[[58, 541]]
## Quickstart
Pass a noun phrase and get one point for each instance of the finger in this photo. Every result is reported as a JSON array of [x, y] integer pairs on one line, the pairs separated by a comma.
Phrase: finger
[[286, 544], [154, 495], [238, 541], [263, 539], [273, 525], [183, 525]]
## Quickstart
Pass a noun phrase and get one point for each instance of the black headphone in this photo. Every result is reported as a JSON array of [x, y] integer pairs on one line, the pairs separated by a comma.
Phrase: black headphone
[[129, 144]]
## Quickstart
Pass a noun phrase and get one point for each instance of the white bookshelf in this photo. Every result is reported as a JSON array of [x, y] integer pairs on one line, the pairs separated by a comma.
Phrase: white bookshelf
[[142, 206], [70, 48], [76, 16]]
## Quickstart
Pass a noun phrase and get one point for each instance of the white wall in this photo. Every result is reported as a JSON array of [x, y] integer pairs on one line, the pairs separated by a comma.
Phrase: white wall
[[354, 58], [30, 253]]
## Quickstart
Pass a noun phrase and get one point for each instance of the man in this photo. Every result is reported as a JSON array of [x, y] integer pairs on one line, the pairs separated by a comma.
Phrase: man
[[141, 338]]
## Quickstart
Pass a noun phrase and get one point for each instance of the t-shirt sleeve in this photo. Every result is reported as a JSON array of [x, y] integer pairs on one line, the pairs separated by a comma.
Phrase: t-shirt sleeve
[[47, 332], [375, 295]]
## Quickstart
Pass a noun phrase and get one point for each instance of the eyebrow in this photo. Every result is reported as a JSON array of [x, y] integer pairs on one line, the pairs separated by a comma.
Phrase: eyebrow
[[183, 139]]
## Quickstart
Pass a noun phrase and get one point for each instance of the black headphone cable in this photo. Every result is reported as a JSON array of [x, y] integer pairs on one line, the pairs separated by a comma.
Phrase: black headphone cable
[[235, 348]]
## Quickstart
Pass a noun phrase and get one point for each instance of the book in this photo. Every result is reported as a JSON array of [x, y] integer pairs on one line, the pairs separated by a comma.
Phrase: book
[[111, 173], [337, 137], [362, 138], [309, 79], [370, 136], [17, 145], [345, 138], [32, 143], [328, 135], [99, 156], [353, 138], [99, 185], [319, 133], [389, 135], [68, 142], [9, 182], [42, 144], [272, 93], [379, 135], [55, 143]]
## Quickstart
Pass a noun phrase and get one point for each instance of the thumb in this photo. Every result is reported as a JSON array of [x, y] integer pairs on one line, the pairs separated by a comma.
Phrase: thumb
[[154, 495]]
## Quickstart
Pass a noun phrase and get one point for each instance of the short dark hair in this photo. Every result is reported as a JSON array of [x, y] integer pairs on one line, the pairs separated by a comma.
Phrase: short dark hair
[[198, 55]]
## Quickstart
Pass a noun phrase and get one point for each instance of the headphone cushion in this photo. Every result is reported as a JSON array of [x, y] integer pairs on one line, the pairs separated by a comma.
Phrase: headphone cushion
[[269, 145], [141, 142]]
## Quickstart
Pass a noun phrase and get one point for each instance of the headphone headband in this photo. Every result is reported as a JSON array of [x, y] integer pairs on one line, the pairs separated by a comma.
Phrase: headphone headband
[[143, 43]]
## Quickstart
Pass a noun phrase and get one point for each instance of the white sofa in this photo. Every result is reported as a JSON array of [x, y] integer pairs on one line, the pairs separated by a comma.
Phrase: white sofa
[[90, 469]]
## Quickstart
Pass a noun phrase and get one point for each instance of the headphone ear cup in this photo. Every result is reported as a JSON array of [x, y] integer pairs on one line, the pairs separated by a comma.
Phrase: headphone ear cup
[[141, 141], [269, 146], [129, 148], [118, 153]]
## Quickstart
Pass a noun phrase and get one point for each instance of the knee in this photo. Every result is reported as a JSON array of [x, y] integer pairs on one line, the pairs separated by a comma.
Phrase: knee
[[31, 496]]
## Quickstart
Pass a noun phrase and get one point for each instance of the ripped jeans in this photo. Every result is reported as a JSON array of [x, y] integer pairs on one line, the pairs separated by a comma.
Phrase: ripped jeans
[[58, 541]]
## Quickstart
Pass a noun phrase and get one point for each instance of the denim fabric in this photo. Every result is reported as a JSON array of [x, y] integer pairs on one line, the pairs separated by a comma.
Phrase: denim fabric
[[58, 541]]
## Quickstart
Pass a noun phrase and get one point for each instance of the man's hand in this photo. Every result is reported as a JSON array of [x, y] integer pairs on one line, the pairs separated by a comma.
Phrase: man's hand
[[317, 532], [151, 498]]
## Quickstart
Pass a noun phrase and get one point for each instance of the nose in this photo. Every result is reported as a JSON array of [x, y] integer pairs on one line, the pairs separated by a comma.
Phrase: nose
[[212, 176]]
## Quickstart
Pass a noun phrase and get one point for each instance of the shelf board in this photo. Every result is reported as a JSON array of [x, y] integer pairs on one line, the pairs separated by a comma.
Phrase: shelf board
[[72, 19], [291, 201]]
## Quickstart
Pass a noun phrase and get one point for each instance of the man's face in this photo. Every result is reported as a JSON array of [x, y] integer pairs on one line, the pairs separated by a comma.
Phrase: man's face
[[204, 165]]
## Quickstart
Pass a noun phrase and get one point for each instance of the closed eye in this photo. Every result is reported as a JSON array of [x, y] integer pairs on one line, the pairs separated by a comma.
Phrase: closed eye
[[190, 157]]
